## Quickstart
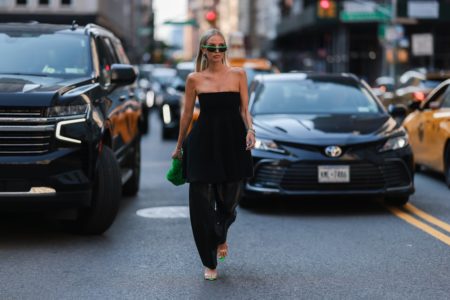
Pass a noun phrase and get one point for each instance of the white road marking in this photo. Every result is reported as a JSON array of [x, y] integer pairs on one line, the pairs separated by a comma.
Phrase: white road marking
[[164, 212]]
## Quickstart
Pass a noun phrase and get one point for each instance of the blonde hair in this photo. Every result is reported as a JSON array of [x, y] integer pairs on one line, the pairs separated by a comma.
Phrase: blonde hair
[[201, 62]]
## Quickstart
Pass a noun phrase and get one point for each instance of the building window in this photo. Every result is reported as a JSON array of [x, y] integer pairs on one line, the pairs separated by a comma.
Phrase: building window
[[21, 2], [66, 2], [43, 2]]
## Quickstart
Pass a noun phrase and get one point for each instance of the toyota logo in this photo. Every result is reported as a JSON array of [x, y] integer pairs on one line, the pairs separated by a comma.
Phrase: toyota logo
[[333, 151]]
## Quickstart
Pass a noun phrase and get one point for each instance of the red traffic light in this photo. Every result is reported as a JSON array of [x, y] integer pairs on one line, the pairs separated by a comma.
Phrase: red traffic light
[[211, 16], [325, 4]]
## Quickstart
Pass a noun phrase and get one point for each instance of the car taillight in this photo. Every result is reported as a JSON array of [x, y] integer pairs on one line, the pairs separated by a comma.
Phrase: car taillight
[[419, 96]]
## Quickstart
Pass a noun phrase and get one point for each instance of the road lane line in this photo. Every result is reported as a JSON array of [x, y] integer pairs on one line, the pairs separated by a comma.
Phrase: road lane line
[[429, 218], [422, 226]]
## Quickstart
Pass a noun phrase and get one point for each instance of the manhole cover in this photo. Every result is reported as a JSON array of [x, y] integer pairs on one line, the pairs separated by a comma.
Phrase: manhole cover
[[164, 212]]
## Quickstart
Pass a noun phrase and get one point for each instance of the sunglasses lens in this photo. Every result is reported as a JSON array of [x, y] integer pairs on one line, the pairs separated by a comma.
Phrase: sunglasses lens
[[215, 49]]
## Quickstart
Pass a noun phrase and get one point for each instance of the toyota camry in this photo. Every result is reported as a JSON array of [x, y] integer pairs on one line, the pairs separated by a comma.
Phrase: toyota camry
[[326, 135]]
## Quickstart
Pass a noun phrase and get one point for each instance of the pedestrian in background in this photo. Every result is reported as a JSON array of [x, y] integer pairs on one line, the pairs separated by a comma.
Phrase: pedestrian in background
[[216, 154]]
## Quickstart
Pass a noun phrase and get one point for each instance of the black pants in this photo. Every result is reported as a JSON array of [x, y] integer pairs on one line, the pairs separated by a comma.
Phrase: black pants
[[212, 210]]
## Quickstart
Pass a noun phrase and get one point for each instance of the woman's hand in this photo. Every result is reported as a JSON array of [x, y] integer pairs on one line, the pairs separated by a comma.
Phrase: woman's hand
[[177, 153], [250, 140]]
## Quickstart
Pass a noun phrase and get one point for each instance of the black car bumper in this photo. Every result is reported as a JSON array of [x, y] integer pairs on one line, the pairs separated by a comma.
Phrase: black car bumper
[[387, 175], [57, 179]]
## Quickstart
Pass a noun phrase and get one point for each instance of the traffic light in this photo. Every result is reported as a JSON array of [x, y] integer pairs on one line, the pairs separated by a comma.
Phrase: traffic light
[[326, 9], [211, 17]]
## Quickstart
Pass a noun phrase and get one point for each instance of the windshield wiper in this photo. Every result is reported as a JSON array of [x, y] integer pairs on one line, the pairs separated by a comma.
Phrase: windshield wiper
[[26, 74]]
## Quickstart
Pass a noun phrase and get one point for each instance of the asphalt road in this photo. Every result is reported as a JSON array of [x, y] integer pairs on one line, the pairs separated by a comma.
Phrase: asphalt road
[[280, 249]]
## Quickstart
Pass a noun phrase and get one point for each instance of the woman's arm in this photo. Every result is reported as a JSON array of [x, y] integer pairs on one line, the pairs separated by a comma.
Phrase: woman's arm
[[186, 115], [245, 114]]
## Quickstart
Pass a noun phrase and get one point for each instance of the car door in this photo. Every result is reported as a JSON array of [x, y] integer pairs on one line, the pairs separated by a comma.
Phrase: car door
[[116, 94], [439, 132], [133, 108], [428, 129]]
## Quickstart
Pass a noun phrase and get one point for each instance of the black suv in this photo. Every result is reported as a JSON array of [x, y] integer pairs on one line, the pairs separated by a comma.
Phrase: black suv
[[69, 122]]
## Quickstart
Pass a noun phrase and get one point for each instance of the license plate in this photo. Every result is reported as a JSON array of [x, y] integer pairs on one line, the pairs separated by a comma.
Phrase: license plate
[[329, 174]]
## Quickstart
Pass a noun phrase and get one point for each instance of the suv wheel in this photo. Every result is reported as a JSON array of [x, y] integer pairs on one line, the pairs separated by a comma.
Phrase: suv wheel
[[131, 187], [105, 201], [397, 201]]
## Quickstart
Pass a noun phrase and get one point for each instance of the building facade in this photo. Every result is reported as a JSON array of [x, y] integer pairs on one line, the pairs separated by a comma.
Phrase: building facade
[[368, 38]]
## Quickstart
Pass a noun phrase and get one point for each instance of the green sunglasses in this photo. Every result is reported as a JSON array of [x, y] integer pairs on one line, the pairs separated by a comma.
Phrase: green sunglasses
[[211, 48]]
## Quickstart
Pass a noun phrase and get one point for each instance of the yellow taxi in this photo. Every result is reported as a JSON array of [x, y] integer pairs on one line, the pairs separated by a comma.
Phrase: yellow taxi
[[429, 131]]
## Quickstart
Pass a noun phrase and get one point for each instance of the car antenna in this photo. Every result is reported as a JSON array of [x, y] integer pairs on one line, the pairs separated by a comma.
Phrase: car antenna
[[74, 25]]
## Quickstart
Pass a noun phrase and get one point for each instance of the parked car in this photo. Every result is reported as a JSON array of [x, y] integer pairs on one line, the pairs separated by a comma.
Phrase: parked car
[[326, 135], [172, 100], [429, 131], [161, 78], [170, 111], [69, 122]]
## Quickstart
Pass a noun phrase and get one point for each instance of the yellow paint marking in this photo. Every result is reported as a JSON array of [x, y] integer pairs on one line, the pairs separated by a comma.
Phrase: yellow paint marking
[[422, 226], [435, 221]]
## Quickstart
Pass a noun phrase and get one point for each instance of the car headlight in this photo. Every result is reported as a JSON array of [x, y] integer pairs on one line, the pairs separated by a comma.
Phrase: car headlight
[[268, 145], [68, 110], [395, 143]]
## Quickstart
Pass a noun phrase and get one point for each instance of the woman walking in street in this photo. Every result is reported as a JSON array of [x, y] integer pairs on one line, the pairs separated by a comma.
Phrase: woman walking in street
[[216, 155]]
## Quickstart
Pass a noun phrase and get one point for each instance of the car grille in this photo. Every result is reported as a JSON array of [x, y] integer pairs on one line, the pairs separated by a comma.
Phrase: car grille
[[363, 176], [21, 112], [24, 131]]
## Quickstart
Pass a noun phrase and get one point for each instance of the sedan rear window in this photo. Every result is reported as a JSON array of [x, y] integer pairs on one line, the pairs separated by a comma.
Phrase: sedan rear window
[[44, 54], [313, 96]]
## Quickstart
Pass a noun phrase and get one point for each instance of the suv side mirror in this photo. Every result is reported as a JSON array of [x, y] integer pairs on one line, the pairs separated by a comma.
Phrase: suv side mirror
[[122, 74], [397, 111]]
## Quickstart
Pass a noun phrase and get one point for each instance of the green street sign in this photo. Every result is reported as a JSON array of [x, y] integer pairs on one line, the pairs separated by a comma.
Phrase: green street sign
[[361, 16]]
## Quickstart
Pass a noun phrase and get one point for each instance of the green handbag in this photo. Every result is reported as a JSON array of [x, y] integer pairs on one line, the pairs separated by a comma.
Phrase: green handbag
[[175, 173]]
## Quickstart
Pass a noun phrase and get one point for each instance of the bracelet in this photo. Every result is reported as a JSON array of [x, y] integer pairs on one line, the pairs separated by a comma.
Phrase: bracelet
[[251, 130]]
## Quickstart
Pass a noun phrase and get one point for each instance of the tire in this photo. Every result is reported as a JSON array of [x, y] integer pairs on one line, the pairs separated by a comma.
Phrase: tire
[[106, 192], [397, 201], [447, 167], [131, 187]]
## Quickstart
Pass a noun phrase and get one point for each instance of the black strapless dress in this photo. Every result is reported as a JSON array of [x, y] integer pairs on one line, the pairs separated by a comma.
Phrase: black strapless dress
[[214, 151]]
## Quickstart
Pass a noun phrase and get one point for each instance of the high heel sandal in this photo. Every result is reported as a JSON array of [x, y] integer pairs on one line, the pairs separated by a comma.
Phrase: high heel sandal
[[222, 253], [210, 276]]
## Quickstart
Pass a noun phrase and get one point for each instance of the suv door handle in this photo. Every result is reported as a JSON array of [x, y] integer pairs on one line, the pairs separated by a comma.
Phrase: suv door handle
[[131, 95], [122, 98]]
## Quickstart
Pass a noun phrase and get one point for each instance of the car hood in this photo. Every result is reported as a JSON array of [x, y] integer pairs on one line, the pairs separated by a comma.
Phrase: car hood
[[25, 90], [325, 129]]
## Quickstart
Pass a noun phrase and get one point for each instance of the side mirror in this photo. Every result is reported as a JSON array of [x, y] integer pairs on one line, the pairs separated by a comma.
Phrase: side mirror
[[397, 111], [122, 74]]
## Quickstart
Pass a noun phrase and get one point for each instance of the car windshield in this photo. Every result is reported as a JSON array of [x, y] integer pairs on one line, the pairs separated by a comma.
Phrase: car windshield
[[313, 96], [44, 55]]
